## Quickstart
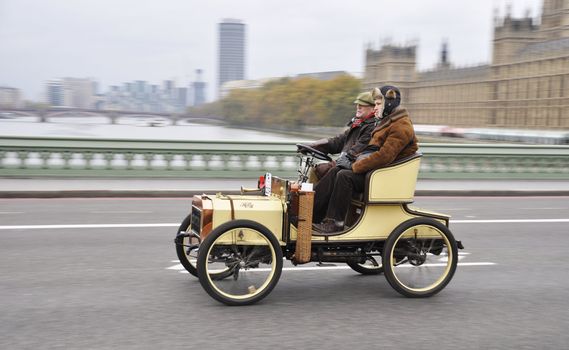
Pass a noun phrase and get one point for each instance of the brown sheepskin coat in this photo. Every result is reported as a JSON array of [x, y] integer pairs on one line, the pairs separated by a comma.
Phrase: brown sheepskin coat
[[395, 137]]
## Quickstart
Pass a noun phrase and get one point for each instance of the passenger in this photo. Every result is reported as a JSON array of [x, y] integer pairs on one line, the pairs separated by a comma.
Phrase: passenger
[[392, 138], [350, 142]]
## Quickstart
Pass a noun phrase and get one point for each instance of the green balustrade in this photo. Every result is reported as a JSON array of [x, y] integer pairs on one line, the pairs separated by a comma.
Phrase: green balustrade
[[75, 157]]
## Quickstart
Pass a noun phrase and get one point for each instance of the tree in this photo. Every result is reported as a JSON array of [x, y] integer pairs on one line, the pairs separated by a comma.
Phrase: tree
[[293, 103]]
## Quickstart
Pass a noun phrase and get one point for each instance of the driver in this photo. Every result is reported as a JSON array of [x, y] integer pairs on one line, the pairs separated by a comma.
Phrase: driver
[[349, 143], [392, 138]]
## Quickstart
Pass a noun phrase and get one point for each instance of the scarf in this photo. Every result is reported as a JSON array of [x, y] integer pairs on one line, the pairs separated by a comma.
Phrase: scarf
[[357, 121]]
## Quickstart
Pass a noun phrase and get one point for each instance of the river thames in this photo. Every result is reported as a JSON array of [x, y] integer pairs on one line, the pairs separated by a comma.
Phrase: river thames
[[135, 128]]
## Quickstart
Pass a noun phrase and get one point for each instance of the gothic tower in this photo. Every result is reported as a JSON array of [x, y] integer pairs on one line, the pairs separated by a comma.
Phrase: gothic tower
[[555, 19], [390, 65], [512, 35]]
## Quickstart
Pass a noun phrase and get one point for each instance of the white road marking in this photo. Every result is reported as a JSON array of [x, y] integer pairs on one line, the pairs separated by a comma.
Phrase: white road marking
[[121, 212], [453, 209], [551, 208], [181, 269], [507, 221], [38, 227], [461, 255], [175, 267]]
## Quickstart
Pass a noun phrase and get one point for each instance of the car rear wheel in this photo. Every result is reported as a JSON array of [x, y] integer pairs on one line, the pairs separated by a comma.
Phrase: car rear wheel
[[420, 257]]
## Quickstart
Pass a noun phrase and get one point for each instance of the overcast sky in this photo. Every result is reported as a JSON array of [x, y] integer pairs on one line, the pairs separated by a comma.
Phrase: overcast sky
[[115, 41]]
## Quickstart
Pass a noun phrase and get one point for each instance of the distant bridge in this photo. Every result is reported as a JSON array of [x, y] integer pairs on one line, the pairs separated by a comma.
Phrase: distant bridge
[[45, 115]]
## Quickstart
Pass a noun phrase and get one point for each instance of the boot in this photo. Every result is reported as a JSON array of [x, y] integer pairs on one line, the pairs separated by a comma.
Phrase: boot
[[329, 226]]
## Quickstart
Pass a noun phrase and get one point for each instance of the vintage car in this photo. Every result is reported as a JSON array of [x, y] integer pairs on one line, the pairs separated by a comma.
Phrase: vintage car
[[236, 244]]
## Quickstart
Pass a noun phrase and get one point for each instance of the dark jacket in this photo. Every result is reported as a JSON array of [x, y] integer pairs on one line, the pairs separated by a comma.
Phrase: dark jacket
[[394, 136], [351, 141]]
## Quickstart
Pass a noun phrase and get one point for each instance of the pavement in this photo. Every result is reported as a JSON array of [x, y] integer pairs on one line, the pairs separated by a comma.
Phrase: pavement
[[163, 187]]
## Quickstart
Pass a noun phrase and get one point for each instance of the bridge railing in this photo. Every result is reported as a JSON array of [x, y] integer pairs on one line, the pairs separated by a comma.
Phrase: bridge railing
[[77, 157]]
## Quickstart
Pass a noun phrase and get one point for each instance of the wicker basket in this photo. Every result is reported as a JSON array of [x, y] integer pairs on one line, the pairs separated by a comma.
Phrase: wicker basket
[[304, 235]]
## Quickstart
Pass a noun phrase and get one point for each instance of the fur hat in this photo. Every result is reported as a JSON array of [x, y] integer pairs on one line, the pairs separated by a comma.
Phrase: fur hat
[[391, 97]]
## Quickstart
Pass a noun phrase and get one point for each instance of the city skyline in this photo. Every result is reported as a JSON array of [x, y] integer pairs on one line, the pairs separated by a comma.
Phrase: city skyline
[[67, 39], [138, 95]]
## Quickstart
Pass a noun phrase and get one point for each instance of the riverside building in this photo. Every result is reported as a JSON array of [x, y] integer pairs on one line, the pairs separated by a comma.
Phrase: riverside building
[[525, 86]]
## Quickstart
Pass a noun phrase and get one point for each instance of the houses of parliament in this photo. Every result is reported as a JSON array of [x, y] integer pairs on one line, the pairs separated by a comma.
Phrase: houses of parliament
[[526, 85]]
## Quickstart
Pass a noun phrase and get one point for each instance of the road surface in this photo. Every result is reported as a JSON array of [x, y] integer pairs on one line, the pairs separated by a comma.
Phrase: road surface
[[102, 274]]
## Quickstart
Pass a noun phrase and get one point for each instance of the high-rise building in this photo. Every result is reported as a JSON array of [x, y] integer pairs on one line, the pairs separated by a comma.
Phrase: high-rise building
[[142, 96], [10, 97], [71, 92], [181, 100], [169, 86], [231, 48], [81, 92], [198, 90], [55, 93]]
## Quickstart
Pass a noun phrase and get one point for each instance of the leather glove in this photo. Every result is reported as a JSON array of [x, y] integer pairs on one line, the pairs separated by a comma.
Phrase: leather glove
[[322, 169], [344, 161]]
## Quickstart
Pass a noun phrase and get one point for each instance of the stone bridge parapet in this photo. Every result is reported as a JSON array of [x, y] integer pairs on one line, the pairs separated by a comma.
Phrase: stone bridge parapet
[[75, 157]]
